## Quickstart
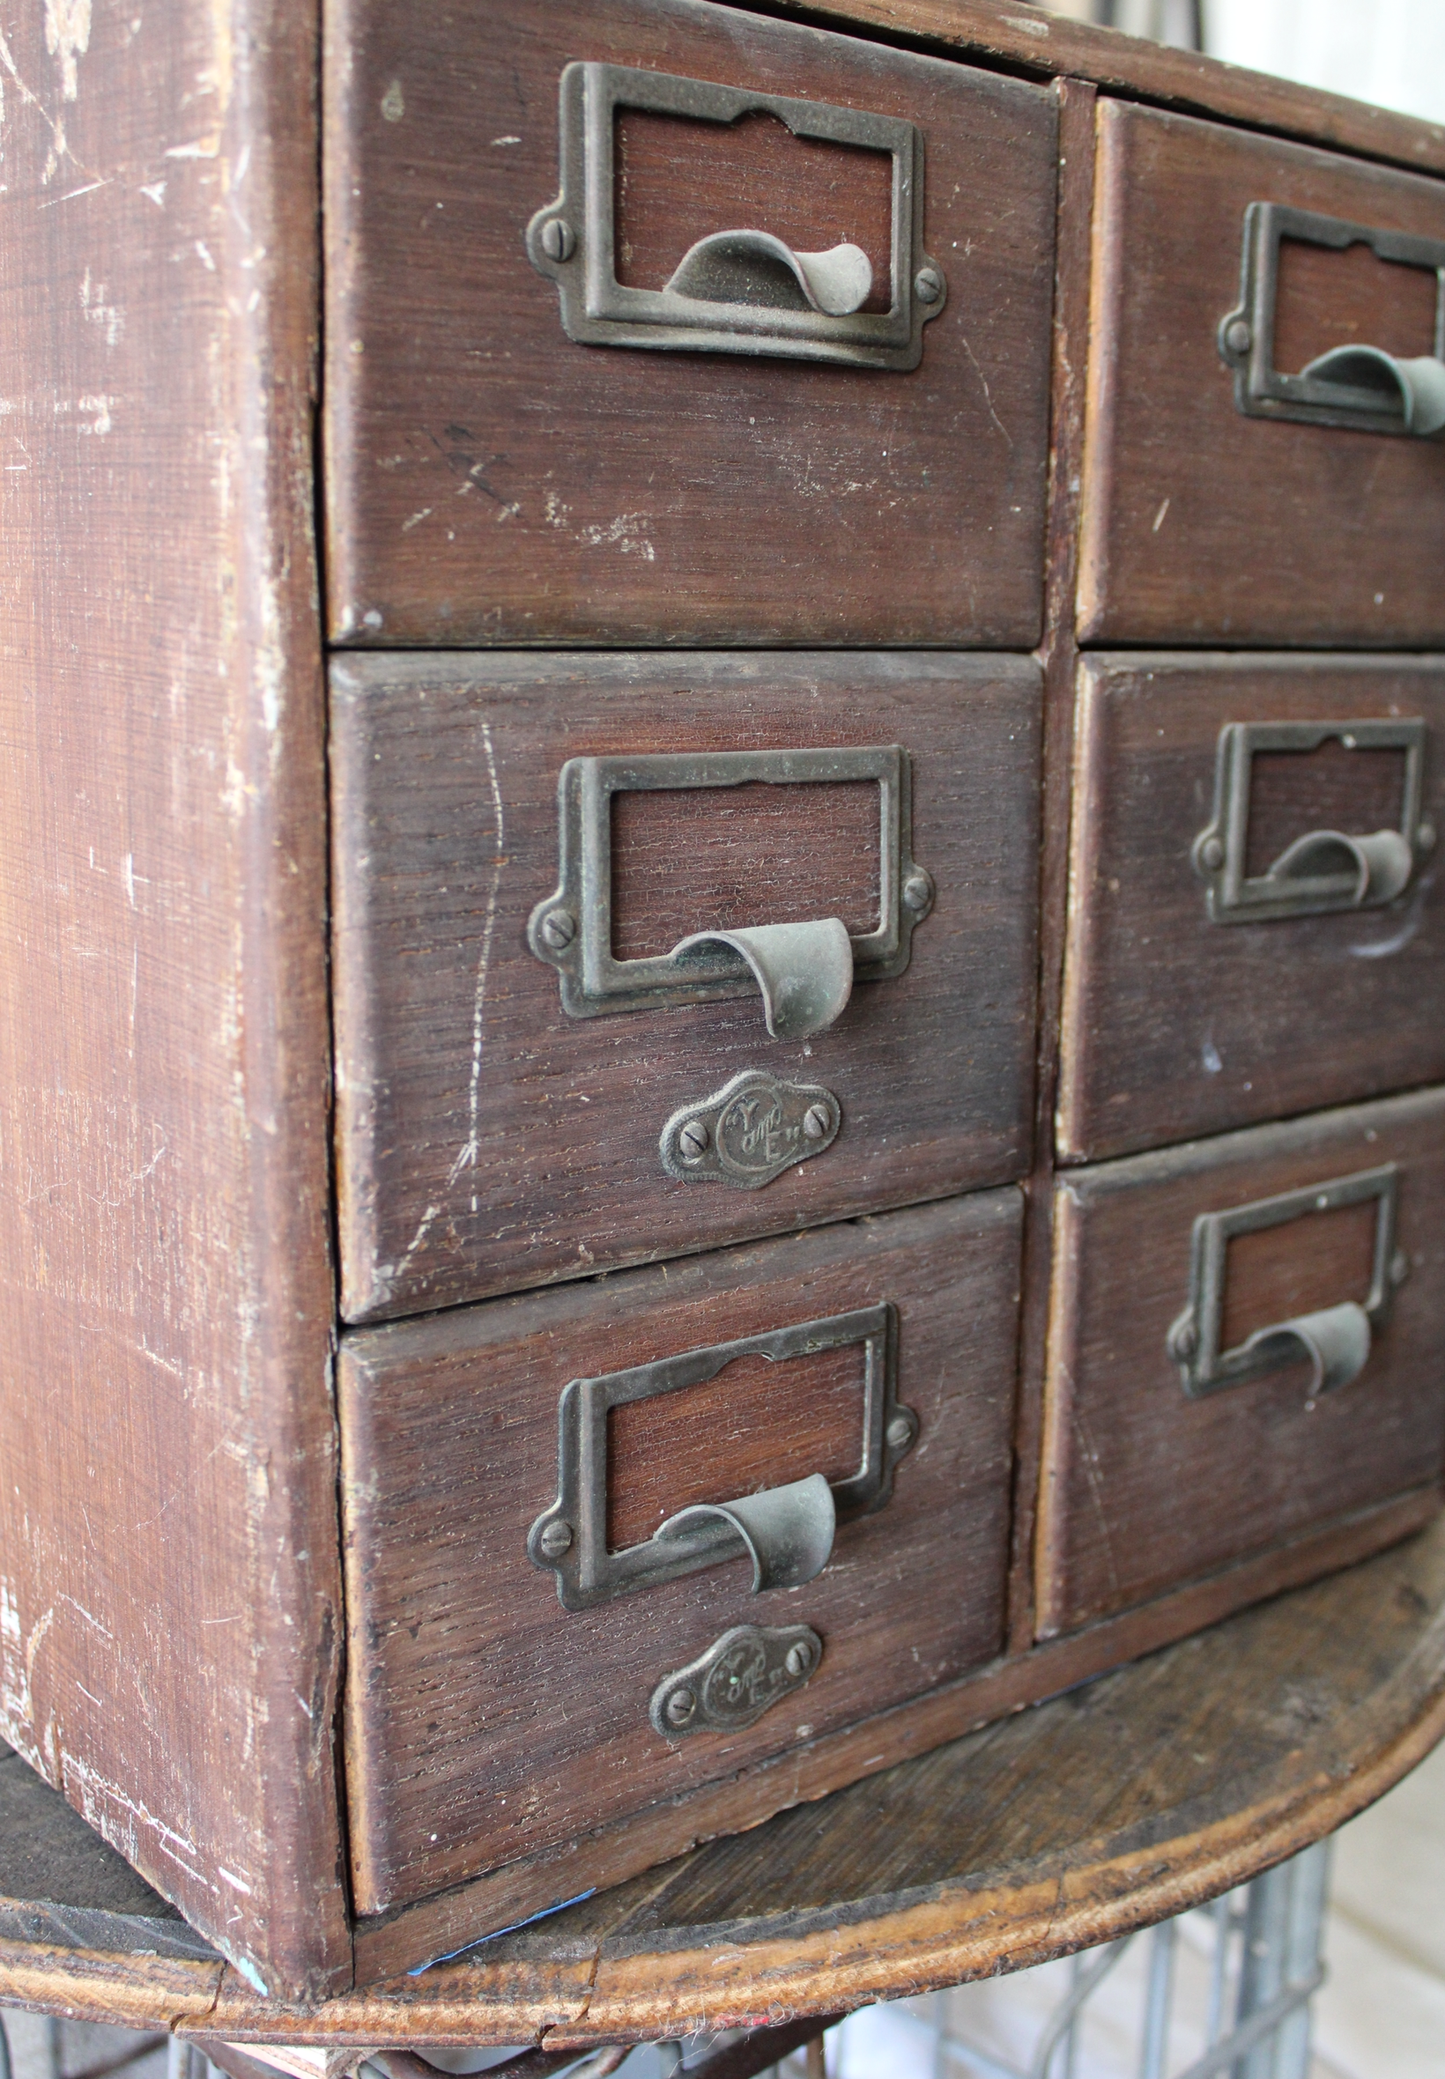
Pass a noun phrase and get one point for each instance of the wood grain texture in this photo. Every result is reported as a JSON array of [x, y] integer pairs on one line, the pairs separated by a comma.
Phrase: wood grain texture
[[1201, 524], [1067, 1825], [1143, 1488], [487, 1140], [491, 481], [484, 1721], [1025, 38], [1175, 1026], [169, 1575]]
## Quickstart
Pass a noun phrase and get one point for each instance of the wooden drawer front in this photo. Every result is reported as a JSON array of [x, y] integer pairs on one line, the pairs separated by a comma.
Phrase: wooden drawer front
[[492, 479], [1255, 927], [484, 1720], [1171, 1448], [490, 1138], [1203, 521]]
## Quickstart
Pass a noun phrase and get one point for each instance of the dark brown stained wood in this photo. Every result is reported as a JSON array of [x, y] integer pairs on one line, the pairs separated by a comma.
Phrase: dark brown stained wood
[[1202, 524], [484, 1722], [169, 1577], [1143, 1488], [486, 1139], [688, 861], [1174, 1025], [1026, 38], [1140, 1795], [1059, 656], [492, 481]]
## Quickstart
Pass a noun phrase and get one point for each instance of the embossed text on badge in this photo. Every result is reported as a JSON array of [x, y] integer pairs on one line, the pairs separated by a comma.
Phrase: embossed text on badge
[[750, 1131]]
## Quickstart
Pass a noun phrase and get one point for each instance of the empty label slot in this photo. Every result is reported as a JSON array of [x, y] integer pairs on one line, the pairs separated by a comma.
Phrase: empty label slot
[[1292, 793], [759, 1423], [679, 179], [1300, 1267], [1352, 298], [723, 858]]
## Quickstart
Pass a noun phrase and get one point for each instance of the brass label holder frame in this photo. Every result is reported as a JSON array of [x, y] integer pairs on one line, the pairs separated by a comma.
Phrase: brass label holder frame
[[573, 240], [572, 929], [1362, 389], [1335, 1340], [786, 1530], [1325, 870]]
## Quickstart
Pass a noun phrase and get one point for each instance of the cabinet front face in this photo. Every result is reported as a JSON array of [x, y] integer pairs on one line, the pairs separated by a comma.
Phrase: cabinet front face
[[639, 955], [609, 1543], [652, 321], [1264, 461], [1255, 923], [1244, 1346]]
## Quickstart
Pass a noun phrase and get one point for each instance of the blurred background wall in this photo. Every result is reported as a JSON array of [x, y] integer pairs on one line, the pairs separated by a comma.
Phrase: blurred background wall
[[1388, 51]]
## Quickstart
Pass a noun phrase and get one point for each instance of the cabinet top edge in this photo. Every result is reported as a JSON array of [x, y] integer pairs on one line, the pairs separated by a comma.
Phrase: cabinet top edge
[[1015, 34]]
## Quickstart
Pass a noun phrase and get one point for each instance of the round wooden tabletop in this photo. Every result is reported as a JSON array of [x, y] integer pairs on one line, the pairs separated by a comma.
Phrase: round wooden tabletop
[[1115, 1805]]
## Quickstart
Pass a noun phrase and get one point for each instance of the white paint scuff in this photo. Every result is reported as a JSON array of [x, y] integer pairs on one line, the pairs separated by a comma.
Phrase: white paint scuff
[[67, 37]]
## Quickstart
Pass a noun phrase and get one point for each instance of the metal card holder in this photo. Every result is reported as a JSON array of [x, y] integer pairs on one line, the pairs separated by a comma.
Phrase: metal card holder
[[1324, 870], [1360, 388], [572, 929], [1334, 1340], [737, 292], [787, 1531]]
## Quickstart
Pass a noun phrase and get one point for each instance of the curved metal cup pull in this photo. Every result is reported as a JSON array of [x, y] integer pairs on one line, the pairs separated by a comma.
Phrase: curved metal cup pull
[[756, 268], [1370, 379], [1334, 1340], [1380, 864], [805, 971], [787, 1532]]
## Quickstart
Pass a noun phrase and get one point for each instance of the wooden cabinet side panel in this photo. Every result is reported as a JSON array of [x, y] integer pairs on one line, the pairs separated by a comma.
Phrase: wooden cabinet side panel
[[169, 1583]]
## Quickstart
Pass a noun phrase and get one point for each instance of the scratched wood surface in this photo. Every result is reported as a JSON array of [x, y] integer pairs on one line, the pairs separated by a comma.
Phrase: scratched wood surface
[[492, 481], [1174, 1025], [486, 1139], [485, 1722], [1141, 1486], [1203, 525], [1065, 1825], [169, 1580]]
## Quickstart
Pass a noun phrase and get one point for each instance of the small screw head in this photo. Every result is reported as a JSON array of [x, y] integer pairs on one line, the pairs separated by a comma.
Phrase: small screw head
[[680, 1706], [1399, 1267], [556, 1539], [918, 892], [1239, 336], [899, 1433], [1211, 853], [692, 1139], [816, 1121], [799, 1658], [928, 285], [559, 928], [1184, 1338], [559, 241], [1425, 837]]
